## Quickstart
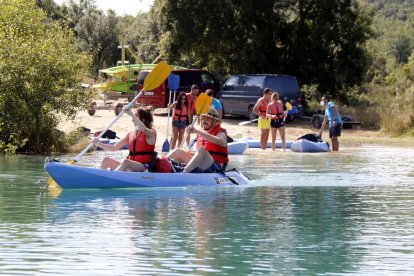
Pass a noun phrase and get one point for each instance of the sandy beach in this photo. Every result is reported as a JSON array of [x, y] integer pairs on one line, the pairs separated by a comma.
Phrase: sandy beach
[[350, 137]]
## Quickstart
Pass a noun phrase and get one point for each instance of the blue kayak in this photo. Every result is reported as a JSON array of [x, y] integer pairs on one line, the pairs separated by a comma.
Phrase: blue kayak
[[303, 145], [76, 177]]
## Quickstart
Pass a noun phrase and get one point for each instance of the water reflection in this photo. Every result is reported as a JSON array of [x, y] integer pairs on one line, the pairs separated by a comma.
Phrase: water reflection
[[302, 214]]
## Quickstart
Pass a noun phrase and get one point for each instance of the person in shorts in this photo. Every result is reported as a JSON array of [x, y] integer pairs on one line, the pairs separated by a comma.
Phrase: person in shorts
[[211, 154], [263, 122], [335, 122], [277, 120], [181, 118]]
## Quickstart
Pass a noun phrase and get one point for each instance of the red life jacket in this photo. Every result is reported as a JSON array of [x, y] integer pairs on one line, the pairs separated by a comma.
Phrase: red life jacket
[[219, 153], [191, 102], [181, 114], [276, 110], [262, 109], [139, 149]]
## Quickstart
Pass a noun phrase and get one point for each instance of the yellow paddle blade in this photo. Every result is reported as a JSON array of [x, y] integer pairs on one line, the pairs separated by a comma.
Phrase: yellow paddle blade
[[288, 106], [157, 76], [202, 103]]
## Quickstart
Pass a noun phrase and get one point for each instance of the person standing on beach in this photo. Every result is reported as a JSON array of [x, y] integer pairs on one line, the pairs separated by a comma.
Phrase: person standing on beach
[[191, 98], [277, 119], [263, 122], [335, 122], [181, 117], [216, 104]]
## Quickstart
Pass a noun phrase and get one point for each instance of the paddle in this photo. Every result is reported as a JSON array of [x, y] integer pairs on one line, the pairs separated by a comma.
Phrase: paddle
[[202, 105], [172, 85], [288, 107], [248, 122], [154, 79]]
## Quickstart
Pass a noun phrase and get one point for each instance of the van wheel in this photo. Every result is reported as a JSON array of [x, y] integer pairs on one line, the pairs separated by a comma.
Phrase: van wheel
[[251, 114]]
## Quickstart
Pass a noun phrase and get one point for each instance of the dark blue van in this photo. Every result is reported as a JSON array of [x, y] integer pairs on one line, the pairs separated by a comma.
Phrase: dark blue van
[[240, 93]]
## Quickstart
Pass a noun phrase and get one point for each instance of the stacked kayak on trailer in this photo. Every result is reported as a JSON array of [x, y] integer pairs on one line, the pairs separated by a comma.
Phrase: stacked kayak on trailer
[[75, 177]]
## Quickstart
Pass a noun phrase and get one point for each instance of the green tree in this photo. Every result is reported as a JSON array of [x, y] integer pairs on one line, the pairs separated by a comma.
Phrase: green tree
[[98, 33], [322, 42], [40, 75]]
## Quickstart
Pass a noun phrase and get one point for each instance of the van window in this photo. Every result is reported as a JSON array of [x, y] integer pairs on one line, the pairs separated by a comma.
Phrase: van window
[[254, 81], [231, 83], [141, 77], [286, 86], [207, 78], [189, 78]]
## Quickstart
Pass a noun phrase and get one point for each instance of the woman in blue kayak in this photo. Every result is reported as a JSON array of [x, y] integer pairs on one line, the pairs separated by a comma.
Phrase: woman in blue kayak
[[141, 141]]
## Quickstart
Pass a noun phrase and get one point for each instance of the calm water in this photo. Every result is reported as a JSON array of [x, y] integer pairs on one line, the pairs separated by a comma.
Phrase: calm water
[[302, 214]]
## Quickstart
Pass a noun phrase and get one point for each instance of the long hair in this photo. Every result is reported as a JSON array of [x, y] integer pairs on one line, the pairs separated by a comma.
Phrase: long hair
[[179, 102], [144, 113]]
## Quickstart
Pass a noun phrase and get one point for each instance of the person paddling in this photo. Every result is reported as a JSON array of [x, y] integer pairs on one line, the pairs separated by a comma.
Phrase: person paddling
[[264, 122], [141, 141], [211, 154]]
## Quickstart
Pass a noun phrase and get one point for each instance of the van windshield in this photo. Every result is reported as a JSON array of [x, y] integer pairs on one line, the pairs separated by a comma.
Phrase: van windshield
[[286, 86]]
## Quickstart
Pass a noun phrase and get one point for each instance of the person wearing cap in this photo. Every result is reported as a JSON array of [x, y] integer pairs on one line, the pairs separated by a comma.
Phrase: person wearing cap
[[335, 122], [211, 154]]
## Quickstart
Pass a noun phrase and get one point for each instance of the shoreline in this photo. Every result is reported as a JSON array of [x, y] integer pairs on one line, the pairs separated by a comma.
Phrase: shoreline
[[349, 137]]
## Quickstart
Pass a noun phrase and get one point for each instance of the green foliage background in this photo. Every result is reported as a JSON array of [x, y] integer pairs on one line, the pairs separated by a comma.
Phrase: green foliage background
[[358, 52], [40, 75]]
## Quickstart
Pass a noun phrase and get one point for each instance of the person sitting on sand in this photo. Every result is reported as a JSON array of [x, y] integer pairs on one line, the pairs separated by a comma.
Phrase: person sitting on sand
[[211, 154], [141, 141]]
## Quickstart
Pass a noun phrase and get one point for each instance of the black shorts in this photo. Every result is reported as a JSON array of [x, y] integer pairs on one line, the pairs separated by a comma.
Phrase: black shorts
[[335, 131], [277, 123]]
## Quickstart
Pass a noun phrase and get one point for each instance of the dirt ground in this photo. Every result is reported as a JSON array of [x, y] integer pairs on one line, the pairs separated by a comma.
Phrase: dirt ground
[[350, 137]]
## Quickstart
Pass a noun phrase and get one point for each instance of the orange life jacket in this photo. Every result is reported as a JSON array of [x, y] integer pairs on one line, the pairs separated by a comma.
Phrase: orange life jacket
[[191, 103], [276, 110], [139, 149], [219, 153], [181, 114], [262, 109]]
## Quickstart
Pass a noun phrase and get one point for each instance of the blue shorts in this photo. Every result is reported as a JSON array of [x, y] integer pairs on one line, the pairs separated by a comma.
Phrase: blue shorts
[[179, 124], [213, 168], [335, 131]]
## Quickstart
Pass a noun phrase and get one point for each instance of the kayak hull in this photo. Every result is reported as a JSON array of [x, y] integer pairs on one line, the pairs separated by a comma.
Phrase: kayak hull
[[255, 143], [303, 145], [76, 177]]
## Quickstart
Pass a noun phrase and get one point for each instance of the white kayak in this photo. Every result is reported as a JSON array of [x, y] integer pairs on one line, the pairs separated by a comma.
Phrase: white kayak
[[255, 143], [303, 145], [238, 146], [110, 142]]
